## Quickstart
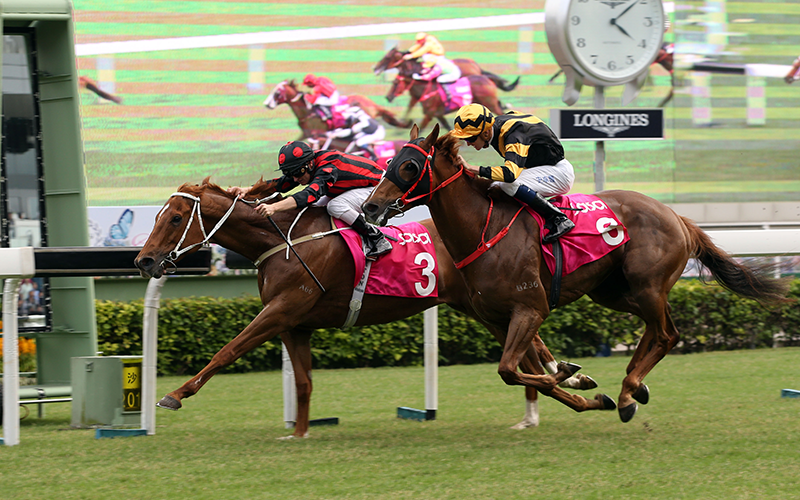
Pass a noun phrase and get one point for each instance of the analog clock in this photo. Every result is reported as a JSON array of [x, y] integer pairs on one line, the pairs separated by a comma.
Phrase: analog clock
[[604, 42]]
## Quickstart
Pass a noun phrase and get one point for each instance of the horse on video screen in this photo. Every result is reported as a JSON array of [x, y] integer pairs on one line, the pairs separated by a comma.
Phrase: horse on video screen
[[634, 276], [286, 92], [468, 67], [294, 304]]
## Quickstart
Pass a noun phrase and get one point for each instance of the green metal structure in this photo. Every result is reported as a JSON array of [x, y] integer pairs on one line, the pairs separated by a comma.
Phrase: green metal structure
[[46, 28]]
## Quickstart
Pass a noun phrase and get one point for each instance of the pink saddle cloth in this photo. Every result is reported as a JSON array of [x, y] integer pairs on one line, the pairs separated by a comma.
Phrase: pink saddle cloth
[[597, 232], [409, 270], [385, 151], [460, 94]]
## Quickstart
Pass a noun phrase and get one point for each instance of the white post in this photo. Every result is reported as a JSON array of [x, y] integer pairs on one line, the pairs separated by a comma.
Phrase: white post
[[431, 322], [10, 363], [152, 302], [599, 146], [289, 391]]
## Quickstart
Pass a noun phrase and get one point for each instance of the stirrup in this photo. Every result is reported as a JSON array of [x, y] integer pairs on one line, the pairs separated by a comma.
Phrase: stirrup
[[561, 228]]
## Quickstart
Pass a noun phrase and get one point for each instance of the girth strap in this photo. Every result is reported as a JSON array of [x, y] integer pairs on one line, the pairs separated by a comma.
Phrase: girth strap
[[358, 298], [555, 285]]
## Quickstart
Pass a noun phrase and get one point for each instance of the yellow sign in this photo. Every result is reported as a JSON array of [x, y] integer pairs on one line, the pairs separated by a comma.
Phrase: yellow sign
[[132, 384]]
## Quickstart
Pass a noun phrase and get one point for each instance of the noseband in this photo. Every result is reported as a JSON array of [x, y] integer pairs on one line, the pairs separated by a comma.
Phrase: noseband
[[177, 252], [422, 159]]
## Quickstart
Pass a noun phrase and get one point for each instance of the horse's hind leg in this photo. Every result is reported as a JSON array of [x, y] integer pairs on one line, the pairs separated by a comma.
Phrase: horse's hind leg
[[298, 345]]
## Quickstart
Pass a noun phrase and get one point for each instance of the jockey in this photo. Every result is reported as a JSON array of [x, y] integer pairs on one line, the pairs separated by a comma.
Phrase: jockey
[[344, 179], [439, 67], [534, 166], [426, 44], [361, 129], [323, 94]]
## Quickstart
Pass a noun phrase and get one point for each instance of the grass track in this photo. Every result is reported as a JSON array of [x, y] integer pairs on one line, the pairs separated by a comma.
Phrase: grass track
[[716, 428]]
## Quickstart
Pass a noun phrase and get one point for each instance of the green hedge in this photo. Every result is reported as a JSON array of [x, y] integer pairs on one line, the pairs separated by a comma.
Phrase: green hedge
[[192, 330]]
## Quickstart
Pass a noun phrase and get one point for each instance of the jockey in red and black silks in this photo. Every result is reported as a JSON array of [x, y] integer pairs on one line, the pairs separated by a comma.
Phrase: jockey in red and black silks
[[339, 181]]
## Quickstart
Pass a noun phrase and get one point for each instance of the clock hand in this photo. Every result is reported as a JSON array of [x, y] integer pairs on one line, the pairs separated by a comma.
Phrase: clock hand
[[614, 22], [624, 11]]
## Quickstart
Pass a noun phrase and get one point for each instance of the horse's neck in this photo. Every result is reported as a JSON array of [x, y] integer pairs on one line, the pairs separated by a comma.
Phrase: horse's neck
[[459, 212], [248, 234]]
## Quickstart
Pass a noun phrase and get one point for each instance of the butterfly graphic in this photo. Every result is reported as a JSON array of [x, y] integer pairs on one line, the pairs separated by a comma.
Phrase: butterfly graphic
[[118, 233]]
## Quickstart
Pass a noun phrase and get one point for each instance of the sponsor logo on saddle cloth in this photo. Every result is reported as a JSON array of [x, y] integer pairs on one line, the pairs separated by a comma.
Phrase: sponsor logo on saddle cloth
[[597, 232], [460, 94], [409, 270]]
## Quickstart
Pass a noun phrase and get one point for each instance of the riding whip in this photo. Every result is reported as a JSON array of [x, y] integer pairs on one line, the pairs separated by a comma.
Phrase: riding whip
[[295, 254]]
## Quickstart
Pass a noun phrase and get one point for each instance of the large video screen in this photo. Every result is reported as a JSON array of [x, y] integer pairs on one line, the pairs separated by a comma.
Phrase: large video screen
[[174, 115]]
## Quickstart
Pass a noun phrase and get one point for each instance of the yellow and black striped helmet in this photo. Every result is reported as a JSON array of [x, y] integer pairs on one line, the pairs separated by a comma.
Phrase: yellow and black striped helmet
[[471, 120]]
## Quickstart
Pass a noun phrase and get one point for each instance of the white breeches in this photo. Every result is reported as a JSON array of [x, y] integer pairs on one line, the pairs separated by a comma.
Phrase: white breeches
[[324, 100], [364, 139], [347, 206], [546, 180]]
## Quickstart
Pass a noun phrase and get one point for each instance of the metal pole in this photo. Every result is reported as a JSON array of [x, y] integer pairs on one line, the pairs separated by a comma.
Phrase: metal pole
[[600, 148], [431, 322], [152, 302], [10, 363]]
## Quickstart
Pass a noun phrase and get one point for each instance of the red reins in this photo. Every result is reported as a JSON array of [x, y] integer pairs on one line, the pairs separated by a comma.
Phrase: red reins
[[484, 246]]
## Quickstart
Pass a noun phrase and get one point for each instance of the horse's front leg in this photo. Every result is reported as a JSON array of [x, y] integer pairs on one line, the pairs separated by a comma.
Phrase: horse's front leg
[[261, 329], [578, 381], [298, 345], [522, 328]]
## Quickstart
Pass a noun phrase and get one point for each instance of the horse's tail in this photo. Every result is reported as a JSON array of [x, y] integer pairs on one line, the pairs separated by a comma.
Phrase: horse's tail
[[391, 119], [754, 282], [501, 82]]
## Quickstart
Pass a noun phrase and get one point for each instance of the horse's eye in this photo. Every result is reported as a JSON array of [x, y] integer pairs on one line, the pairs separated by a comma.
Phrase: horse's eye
[[389, 161], [176, 219]]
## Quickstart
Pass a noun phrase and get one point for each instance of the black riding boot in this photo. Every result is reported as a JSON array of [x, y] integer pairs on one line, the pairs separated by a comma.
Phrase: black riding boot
[[552, 216], [375, 243]]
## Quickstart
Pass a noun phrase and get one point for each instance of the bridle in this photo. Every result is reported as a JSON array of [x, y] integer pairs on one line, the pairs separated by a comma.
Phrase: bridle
[[178, 251], [422, 159]]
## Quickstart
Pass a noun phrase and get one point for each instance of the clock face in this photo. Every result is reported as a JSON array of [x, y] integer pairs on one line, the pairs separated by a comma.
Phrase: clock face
[[614, 40]]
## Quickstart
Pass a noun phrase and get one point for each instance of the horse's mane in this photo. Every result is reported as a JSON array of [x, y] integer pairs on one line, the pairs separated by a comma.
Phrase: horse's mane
[[448, 146], [260, 189], [198, 189]]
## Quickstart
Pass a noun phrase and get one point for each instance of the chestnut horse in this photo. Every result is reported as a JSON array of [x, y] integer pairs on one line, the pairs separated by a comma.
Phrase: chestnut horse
[[286, 92], [484, 91], [635, 277], [394, 58], [294, 306]]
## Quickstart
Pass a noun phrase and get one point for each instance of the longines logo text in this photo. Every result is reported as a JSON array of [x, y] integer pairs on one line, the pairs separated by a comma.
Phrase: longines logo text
[[611, 120]]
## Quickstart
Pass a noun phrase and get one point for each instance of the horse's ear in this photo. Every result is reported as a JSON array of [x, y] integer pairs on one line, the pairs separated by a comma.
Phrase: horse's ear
[[432, 137], [414, 132]]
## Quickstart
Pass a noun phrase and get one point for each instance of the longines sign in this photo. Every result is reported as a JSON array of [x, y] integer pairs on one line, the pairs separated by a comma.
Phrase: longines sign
[[607, 124]]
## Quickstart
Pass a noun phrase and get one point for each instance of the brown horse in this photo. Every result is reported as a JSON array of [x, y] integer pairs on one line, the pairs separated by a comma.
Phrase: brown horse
[[286, 92], [294, 306], [635, 277], [484, 91], [394, 58], [484, 88]]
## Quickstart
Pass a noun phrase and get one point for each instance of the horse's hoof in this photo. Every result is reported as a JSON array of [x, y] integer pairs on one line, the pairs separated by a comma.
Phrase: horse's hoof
[[587, 382], [525, 424], [570, 368], [608, 403], [627, 413], [169, 403], [642, 394]]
